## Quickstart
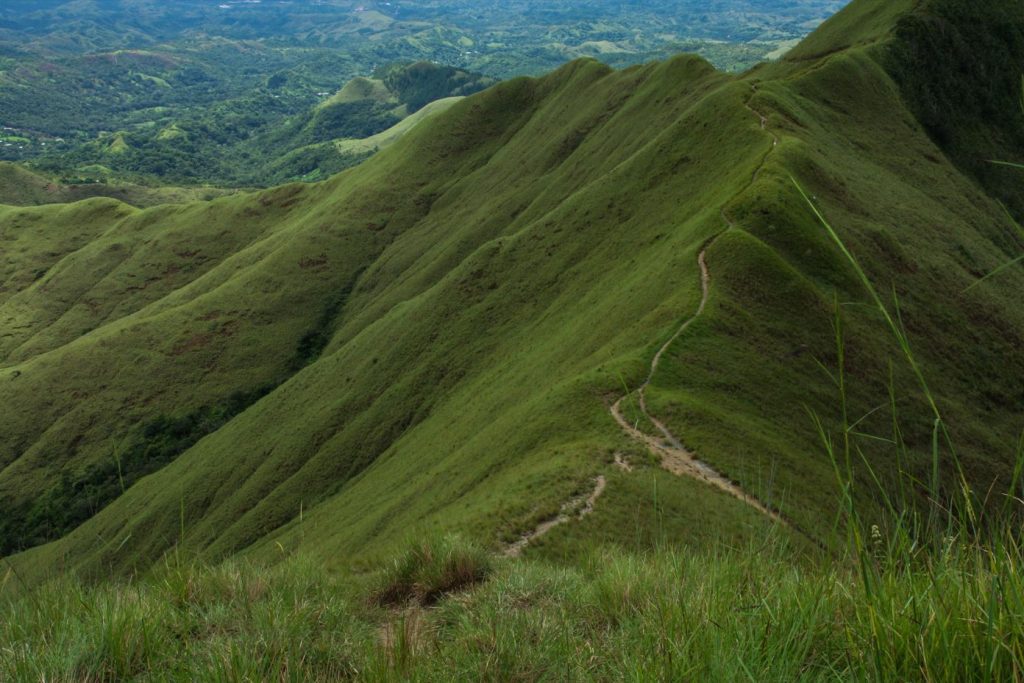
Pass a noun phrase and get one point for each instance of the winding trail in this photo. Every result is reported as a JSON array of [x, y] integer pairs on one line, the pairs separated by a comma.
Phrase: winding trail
[[577, 508], [675, 457]]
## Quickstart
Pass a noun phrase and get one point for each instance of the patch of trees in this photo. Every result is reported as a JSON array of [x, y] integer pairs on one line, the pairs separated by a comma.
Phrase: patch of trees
[[77, 496]]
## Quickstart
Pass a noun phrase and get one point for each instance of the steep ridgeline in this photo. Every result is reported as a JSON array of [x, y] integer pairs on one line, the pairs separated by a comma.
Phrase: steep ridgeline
[[434, 340]]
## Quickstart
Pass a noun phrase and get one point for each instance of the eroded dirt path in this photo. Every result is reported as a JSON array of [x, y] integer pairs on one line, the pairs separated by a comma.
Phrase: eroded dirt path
[[576, 508], [674, 456]]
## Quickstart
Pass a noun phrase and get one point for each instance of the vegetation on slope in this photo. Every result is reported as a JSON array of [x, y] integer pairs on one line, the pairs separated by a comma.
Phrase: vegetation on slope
[[77, 497], [179, 91], [503, 272], [739, 614], [257, 142], [951, 64], [22, 187]]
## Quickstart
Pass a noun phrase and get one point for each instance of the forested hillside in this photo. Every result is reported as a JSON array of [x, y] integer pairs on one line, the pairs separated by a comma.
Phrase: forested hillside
[[248, 142]]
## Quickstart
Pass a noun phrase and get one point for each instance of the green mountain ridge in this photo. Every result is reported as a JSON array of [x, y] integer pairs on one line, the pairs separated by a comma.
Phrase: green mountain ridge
[[433, 340], [20, 186]]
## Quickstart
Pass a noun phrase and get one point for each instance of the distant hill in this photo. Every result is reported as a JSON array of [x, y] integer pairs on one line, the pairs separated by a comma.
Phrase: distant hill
[[330, 137], [22, 187], [300, 147], [596, 290], [179, 92]]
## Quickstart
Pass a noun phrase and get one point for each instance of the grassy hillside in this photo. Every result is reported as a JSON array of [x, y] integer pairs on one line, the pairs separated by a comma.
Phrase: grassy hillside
[[434, 339], [21, 187], [743, 614], [378, 141], [364, 116]]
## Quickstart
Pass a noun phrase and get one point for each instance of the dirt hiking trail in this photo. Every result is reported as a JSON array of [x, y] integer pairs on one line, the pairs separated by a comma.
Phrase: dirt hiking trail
[[674, 456], [576, 508]]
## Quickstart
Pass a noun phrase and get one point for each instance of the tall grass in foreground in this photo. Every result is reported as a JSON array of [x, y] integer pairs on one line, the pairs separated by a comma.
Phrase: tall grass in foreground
[[959, 532], [718, 616]]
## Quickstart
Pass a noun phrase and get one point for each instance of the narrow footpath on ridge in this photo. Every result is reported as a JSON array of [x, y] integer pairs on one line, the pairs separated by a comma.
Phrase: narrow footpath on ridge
[[576, 508], [674, 456]]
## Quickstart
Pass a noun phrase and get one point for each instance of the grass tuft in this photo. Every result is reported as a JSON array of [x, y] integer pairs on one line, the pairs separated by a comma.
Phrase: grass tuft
[[430, 570]]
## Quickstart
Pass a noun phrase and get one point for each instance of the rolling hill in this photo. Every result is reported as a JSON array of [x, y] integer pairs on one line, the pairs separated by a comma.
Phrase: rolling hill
[[453, 334], [256, 143], [20, 186], [361, 118], [186, 92]]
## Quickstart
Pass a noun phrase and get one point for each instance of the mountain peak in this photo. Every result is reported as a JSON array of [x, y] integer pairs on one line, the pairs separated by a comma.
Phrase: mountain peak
[[958, 66]]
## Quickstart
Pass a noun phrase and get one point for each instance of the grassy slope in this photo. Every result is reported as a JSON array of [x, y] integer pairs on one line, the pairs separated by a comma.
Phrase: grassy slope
[[724, 615], [858, 24], [345, 153], [365, 116], [877, 180], [391, 135], [487, 284], [360, 89], [22, 187]]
